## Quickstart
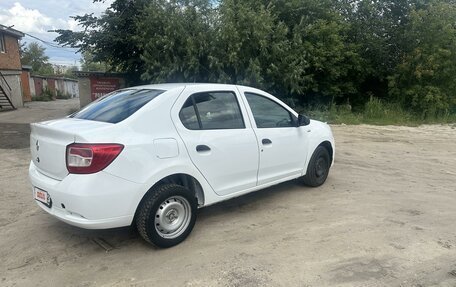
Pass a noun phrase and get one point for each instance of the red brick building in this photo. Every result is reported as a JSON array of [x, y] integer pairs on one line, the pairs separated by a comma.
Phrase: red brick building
[[10, 64]]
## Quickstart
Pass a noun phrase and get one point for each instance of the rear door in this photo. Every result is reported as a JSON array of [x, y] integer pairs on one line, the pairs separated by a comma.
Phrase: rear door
[[282, 145], [218, 136]]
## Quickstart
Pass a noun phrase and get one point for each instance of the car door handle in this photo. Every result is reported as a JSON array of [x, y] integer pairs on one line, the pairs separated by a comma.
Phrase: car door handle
[[202, 148], [266, 141]]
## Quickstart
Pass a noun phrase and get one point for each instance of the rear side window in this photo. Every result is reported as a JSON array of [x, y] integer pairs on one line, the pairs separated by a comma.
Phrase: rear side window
[[212, 110], [117, 106], [188, 115]]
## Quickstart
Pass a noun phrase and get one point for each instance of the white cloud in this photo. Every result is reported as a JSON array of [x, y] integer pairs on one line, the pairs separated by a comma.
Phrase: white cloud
[[33, 21], [73, 24], [29, 17], [25, 20]]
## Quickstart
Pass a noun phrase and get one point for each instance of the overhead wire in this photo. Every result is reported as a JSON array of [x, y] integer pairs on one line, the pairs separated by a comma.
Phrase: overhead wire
[[68, 49]]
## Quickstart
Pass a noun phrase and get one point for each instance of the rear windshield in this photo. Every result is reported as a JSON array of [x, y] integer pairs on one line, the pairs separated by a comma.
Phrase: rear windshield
[[116, 106]]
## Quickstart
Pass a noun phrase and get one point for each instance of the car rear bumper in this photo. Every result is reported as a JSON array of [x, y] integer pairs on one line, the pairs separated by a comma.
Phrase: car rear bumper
[[91, 201], [79, 221]]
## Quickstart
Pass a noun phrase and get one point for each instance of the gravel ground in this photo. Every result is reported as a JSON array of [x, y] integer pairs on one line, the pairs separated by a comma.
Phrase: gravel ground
[[385, 217]]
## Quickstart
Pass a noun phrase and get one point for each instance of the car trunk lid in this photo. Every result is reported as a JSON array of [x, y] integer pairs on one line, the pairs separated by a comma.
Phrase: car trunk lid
[[48, 142]]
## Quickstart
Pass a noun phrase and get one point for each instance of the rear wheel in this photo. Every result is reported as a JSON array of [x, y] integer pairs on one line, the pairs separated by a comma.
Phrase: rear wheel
[[318, 168], [167, 215]]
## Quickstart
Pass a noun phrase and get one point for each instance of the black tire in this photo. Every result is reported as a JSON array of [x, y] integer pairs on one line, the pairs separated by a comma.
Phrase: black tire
[[318, 168], [167, 203]]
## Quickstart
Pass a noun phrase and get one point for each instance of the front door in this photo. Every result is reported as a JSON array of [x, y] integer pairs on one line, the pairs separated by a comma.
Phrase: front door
[[218, 136], [282, 145]]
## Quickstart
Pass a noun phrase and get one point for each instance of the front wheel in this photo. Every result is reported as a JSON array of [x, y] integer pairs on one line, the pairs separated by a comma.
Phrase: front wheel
[[167, 215], [318, 168]]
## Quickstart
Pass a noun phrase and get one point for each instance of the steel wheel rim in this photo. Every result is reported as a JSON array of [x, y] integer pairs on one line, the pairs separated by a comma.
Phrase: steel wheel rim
[[321, 167], [172, 217]]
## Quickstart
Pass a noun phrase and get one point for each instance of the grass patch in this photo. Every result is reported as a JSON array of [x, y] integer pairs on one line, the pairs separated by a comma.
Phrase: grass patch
[[334, 115], [379, 113], [45, 96], [62, 96], [42, 98], [375, 112]]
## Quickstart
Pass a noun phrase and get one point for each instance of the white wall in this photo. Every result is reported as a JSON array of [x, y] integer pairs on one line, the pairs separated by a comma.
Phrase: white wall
[[71, 88], [14, 81]]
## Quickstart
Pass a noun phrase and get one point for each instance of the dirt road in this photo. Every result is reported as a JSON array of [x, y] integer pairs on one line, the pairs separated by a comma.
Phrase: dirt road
[[385, 217]]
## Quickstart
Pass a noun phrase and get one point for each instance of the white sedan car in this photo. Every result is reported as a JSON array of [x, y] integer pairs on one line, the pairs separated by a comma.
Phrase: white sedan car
[[152, 155]]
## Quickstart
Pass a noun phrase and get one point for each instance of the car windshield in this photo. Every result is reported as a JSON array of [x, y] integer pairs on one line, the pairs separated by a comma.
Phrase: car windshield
[[117, 106]]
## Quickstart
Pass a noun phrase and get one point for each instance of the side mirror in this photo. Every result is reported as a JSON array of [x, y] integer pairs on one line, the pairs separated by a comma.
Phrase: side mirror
[[303, 120]]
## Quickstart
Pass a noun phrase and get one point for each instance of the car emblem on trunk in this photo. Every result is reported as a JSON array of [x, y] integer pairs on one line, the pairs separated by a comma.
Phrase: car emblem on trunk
[[37, 146]]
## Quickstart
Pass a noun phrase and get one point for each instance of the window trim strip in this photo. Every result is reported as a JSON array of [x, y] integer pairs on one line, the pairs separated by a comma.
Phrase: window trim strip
[[196, 112]]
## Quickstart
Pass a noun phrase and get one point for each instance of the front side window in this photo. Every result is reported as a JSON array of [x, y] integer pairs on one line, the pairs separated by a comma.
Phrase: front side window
[[269, 114], [117, 106], [212, 110]]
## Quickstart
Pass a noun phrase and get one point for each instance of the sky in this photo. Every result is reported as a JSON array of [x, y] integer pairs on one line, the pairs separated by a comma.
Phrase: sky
[[37, 17]]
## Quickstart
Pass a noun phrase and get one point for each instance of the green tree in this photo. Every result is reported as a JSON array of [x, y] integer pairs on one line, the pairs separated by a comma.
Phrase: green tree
[[34, 55], [425, 80], [111, 37], [69, 72], [316, 51], [176, 39], [379, 28], [249, 44], [322, 63], [89, 64]]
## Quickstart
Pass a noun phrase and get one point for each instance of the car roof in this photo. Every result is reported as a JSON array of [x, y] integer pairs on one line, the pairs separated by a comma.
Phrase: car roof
[[170, 86]]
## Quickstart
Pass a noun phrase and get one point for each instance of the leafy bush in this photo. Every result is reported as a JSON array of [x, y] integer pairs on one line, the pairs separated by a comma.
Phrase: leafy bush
[[61, 96], [378, 112], [314, 51], [335, 114], [46, 96], [424, 82]]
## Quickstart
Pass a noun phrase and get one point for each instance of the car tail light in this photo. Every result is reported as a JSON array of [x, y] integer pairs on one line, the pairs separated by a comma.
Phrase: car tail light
[[90, 158]]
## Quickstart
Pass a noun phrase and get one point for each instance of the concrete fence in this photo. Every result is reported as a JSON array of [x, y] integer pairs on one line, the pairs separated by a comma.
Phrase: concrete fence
[[34, 86]]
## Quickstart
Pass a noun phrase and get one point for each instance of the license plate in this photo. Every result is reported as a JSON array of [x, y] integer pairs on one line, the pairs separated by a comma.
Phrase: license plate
[[42, 196]]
